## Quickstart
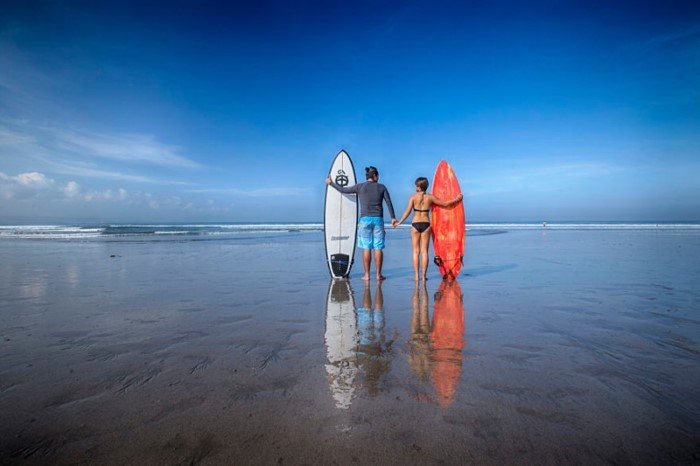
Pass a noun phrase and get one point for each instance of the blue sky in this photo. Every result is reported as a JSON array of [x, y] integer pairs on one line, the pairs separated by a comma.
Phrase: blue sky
[[199, 111]]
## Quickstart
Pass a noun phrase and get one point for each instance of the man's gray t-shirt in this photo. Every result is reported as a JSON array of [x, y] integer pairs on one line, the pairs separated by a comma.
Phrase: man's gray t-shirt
[[370, 195]]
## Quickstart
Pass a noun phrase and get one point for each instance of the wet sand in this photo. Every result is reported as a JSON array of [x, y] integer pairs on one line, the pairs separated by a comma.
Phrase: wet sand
[[559, 347]]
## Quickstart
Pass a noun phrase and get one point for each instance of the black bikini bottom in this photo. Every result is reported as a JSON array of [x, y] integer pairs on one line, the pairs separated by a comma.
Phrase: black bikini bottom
[[420, 226]]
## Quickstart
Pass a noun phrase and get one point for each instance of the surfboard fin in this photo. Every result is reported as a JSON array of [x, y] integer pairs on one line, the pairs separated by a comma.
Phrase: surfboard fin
[[340, 264]]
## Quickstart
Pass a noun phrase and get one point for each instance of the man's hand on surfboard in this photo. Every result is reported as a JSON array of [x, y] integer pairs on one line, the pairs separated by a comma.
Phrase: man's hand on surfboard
[[328, 181]]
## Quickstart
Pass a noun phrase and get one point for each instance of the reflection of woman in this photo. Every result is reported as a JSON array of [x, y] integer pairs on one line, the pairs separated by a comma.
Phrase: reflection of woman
[[447, 338], [420, 203], [419, 346]]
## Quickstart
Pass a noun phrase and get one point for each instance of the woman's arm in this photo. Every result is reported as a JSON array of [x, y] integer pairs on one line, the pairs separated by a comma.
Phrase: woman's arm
[[442, 203], [406, 213]]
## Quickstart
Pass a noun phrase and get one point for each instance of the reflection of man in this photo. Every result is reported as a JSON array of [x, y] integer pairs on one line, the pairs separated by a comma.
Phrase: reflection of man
[[374, 350], [341, 343]]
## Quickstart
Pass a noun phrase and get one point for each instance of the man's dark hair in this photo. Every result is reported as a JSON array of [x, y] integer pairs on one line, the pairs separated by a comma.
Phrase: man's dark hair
[[371, 172], [422, 183]]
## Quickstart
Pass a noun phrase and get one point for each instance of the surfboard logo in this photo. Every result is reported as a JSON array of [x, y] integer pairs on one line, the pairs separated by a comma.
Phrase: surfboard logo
[[341, 178]]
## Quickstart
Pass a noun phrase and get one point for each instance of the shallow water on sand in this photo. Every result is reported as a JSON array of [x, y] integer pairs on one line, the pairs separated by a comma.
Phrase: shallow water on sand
[[558, 346]]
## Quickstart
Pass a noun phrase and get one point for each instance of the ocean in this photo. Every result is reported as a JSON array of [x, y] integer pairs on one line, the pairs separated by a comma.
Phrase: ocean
[[231, 230]]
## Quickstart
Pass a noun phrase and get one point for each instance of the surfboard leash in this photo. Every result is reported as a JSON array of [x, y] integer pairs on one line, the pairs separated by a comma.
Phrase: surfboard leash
[[439, 262]]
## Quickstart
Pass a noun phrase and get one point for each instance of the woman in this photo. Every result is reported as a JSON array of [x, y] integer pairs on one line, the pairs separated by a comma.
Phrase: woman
[[420, 203]]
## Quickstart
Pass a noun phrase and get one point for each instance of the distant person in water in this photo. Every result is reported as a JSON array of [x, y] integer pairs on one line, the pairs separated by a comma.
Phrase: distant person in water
[[370, 234], [420, 203]]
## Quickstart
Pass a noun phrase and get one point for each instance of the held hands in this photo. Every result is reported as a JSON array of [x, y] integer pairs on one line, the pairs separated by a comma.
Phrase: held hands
[[395, 223]]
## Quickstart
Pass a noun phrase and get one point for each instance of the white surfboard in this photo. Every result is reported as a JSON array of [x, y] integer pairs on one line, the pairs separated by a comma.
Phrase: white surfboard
[[340, 218], [341, 343]]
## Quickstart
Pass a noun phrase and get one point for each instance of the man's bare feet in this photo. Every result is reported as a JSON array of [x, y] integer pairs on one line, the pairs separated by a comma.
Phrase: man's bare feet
[[365, 278], [425, 277], [380, 277], [415, 278]]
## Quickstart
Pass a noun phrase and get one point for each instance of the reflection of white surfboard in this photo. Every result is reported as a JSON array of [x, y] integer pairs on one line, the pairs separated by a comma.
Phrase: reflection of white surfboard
[[340, 218], [341, 342]]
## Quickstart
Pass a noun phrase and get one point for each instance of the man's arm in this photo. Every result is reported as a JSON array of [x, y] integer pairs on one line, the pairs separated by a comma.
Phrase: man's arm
[[343, 189], [387, 199]]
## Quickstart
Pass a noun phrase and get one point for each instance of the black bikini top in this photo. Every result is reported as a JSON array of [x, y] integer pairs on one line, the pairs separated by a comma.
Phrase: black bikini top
[[419, 210]]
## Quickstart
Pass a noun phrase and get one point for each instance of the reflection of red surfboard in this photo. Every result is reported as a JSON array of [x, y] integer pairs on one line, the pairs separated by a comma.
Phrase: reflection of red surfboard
[[447, 338], [448, 223]]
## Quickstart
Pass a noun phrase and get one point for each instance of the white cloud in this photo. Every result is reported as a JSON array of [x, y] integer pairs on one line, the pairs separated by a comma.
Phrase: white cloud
[[35, 184], [115, 195], [89, 154], [574, 170], [89, 172], [25, 185], [71, 149], [139, 148], [25, 79], [34, 180], [15, 189], [72, 189], [535, 178], [262, 192], [691, 34], [99, 195]]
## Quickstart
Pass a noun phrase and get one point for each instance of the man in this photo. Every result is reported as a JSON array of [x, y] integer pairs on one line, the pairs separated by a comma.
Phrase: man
[[370, 228]]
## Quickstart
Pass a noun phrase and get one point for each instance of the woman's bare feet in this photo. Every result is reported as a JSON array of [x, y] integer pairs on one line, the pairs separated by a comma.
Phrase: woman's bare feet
[[380, 278]]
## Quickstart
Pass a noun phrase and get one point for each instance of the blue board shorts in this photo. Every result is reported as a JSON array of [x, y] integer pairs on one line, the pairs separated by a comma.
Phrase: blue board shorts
[[370, 233]]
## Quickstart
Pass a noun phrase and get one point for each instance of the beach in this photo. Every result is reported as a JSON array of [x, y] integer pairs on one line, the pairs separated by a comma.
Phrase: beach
[[560, 345]]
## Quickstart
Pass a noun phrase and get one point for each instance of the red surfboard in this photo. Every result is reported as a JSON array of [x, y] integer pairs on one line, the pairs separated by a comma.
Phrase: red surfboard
[[448, 223]]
